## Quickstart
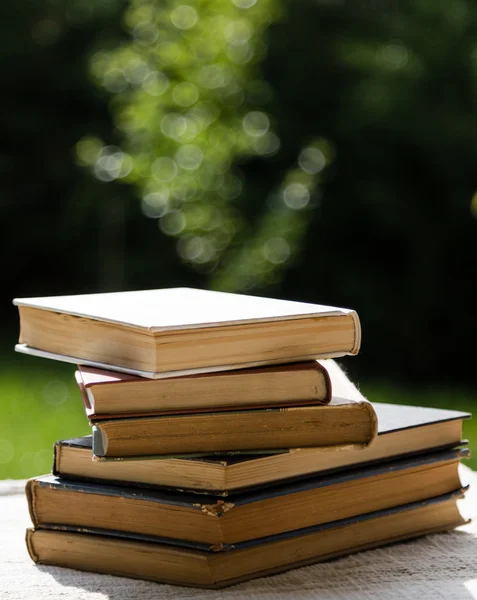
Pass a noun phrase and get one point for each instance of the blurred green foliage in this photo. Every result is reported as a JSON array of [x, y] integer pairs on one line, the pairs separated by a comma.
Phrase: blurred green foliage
[[369, 122], [315, 150], [395, 235], [190, 103]]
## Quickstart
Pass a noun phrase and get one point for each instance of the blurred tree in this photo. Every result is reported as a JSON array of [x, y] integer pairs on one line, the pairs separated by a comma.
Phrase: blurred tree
[[393, 85], [190, 102], [224, 110], [319, 150], [64, 231]]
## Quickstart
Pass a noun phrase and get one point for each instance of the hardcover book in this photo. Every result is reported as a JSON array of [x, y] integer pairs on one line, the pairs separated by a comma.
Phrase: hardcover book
[[220, 522], [402, 431], [348, 419], [110, 394], [344, 421], [176, 331], [168, 561]]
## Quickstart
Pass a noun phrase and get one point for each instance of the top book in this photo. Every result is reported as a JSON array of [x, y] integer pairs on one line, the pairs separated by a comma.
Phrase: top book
[[177, 331]]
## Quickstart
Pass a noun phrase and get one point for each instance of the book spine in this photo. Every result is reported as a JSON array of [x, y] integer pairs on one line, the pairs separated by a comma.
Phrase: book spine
[[373, 419], [31, 500], [99, 443], [30, 547], [55, 467], [357, 333], [328, 383]]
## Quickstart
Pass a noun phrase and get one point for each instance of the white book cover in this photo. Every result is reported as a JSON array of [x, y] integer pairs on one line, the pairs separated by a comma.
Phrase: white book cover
[[181, 308]]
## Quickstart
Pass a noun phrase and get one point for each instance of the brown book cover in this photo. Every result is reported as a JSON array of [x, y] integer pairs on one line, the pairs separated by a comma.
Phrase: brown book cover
[[246, 516], [348, 419], [171, 561], [344, 421], [110, 394], [403, 430]]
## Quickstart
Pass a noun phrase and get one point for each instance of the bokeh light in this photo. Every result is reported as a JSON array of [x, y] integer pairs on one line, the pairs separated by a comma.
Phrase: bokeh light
[[191, 103]]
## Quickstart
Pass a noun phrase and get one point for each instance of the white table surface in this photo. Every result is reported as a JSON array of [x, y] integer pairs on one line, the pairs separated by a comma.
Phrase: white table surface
[[437, 566]]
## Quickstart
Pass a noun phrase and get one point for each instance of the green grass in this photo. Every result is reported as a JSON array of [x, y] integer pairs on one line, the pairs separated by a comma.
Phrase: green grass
[[40, 403]]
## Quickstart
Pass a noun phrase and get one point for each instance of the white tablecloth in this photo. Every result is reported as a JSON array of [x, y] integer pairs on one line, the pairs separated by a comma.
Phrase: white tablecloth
[[437, 566]]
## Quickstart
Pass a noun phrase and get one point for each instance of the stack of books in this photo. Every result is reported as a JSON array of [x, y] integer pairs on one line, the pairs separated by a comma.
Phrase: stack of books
[[227, 442]]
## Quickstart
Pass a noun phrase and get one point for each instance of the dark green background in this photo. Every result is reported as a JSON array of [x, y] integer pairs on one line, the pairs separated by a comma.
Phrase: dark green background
[[395, 237]]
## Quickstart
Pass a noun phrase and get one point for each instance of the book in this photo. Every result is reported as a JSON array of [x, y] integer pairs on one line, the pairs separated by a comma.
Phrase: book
[[349, 419], [156, 559], [110, 393], [344, 421], [176, 331], [402, 431], [219, 522]]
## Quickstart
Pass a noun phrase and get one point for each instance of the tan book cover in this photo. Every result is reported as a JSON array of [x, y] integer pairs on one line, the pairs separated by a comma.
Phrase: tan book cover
[[110, 394], [176, 331]]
